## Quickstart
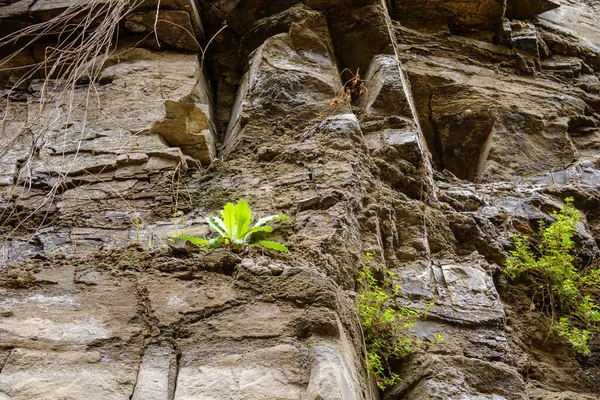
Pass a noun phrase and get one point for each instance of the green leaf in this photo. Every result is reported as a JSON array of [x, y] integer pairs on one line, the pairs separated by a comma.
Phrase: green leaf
[[243, 217], [229, 219], [385, 328], [217, 224], [552, 266], [237, 244], [266, 220], [233, 226], [271, 245], [194, 240], [266, 229], [215, 243]]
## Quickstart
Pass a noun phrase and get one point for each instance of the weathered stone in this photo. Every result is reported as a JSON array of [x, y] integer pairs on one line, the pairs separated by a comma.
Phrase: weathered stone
[[349, 25], [191, 7], [569, 68], [490, 121], [172, 299], [391, 128], [16, 74], [14, 16], [16, 143], [570, 33], [173, 28], [63, 374], [67, 319], [524, 36], [504, 32], [113, 154], [20, 14], [329, 376], [461, 294], [459, 16], [274, 372], [275, 68], [101, 307], [308, 203], [428, 378], [523, 9], [153, 377], [187, 126]]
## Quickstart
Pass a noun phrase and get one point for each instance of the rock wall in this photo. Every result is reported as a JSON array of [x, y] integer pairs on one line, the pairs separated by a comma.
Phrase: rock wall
[[477, 118]]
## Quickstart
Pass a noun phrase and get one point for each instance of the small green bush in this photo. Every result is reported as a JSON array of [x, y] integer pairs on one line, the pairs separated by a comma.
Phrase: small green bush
[[385, 328], [234, 230], [564, 289]]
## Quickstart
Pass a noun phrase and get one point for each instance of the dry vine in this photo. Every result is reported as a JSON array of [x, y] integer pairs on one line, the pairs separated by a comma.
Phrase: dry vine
[[350, 90], [86, 37], [86, 33]]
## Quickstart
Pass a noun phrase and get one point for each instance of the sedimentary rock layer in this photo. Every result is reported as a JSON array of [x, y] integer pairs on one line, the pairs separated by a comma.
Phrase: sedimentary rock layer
[[426, 133]]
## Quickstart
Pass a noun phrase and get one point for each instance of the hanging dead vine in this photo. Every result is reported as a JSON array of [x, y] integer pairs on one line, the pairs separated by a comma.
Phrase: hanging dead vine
[[85, 35]]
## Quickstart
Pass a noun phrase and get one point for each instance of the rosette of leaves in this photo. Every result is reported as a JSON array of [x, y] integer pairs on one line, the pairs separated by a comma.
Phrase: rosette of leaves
[[235, 230]]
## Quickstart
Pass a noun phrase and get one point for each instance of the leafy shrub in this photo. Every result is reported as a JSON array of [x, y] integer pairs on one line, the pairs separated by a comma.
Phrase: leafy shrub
[[385, 328], [234, 230], [563, 288]]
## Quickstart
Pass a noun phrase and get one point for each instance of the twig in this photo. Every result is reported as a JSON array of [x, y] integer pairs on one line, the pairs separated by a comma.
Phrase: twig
[[156, 23]]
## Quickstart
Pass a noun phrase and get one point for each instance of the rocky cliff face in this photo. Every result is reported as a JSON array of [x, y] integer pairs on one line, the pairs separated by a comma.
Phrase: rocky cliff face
[[478, 118]]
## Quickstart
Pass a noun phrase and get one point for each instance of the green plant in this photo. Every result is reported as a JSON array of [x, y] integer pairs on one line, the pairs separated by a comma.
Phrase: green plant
[[385, 328], [137, 223], [560, 287], [234, 230]]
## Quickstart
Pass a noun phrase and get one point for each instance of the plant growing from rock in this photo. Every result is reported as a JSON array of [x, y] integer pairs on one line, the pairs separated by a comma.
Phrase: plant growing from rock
[[234, 230], [355, 87], [564, 289], [386, 328]]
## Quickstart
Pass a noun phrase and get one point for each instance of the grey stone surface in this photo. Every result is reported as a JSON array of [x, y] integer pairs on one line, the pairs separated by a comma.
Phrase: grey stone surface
[[174, 28], [259, 374], [61, 340], [153, 376], [458, 15], [151, 109], [473, 125]]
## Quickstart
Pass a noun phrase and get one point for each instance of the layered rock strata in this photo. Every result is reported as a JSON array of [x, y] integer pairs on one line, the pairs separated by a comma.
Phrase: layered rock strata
[[475, 121]]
